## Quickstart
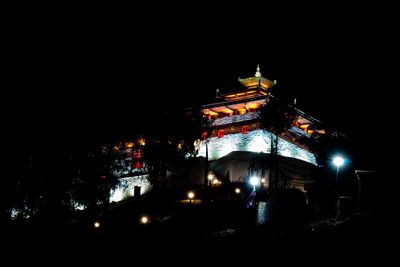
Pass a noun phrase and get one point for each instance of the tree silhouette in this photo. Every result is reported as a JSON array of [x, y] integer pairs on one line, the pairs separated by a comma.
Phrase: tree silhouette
[[96, 175], [276, 118]]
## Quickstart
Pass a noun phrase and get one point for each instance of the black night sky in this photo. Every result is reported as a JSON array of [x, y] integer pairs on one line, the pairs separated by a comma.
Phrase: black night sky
[[74, 82]]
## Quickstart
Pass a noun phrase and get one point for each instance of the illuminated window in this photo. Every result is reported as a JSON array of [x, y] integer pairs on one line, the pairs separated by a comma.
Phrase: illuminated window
[[221, 133], [244, 130]]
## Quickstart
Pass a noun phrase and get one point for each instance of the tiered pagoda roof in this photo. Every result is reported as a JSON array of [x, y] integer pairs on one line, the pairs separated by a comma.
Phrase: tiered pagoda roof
[[254, 86]]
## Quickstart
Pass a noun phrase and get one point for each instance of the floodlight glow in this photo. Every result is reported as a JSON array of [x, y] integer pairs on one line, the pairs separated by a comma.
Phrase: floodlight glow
[[263, 180], [126, 187], [237, 190], [338, 161], [191, 195], [210, 177], [96, 224], [253, 141], [254, 181]]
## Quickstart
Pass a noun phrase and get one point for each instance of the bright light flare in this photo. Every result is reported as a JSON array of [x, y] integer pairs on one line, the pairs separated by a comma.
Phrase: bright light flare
[[144, 219], [237, 190], [254, 181], [338, 161], [96, 224], [191, 195]]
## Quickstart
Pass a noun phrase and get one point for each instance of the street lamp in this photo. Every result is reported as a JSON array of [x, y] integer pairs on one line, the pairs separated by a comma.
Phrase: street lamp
[[357, 173], [254, 181], [190, 196], [210, 178], [338, 161]]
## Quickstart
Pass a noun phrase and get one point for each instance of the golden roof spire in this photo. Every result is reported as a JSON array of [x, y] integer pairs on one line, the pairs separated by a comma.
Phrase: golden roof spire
[[258, 73]]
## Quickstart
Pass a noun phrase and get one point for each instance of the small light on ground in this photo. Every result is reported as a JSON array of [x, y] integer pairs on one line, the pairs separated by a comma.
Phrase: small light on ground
[[144, 219]]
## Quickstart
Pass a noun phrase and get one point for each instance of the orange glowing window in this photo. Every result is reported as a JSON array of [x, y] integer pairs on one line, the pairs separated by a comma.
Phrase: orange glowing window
[[221, 133], [244, 130]]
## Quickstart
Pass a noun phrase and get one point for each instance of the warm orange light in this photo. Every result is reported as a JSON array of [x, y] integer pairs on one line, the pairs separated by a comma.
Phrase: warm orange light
[[242, 111], [228, 111], [209, 112], [144, 219], [216, 181], [251, 84], [266, 85], [141, 141], [304, 126], [253, 106], [129, 145]]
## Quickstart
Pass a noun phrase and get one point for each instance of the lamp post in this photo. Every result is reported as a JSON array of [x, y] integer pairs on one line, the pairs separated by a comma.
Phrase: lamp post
[[357, 173], [210, 178], [338, 162], [254, 181], [190, 196]]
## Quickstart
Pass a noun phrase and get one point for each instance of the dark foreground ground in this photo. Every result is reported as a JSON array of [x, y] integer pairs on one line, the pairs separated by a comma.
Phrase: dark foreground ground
[[220, 230], [221, 226]]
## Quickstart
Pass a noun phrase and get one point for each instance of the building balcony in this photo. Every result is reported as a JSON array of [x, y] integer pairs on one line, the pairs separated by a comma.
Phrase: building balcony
[[236, 118]]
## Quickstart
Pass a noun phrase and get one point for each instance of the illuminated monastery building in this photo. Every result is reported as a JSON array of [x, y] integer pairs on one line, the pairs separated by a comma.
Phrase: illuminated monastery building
[[238, 144], [237, 136]]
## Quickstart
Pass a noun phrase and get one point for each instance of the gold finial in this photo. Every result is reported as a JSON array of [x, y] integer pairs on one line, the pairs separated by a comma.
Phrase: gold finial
[[258, 73]]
